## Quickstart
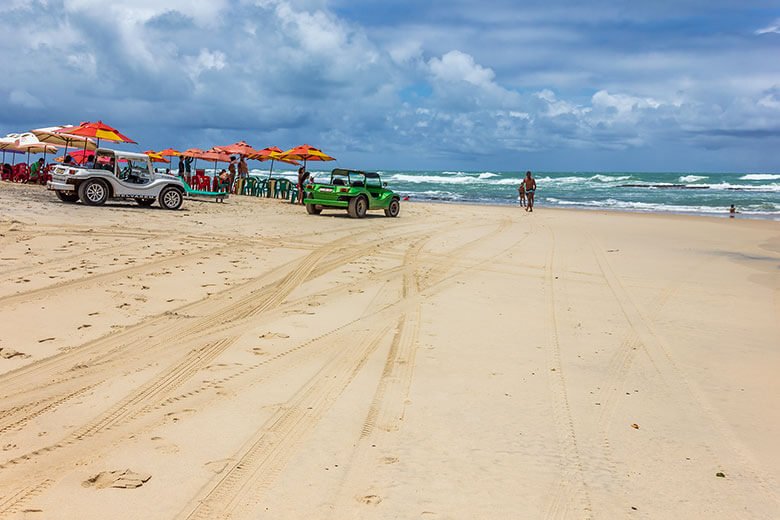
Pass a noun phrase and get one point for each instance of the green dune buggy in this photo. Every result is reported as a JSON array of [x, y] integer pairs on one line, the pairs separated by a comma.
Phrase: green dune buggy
[[353, 190]]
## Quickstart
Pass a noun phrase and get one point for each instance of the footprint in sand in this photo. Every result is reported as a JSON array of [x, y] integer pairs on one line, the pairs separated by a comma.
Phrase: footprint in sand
[[371, 500], [85, 326], [217, 466], [389, 460], [271, 335], [125, 479], [9, 353]]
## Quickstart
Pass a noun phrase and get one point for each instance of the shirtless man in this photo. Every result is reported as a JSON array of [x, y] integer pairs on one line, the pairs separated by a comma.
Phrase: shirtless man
[[530, 188]]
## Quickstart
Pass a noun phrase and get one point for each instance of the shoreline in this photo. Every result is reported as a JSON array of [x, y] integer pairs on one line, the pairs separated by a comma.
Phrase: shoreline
[[744, 216]]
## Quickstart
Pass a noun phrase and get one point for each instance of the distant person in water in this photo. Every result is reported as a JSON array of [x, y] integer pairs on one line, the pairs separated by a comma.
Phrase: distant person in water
[[529, 184], [521, 193], [732, 211]]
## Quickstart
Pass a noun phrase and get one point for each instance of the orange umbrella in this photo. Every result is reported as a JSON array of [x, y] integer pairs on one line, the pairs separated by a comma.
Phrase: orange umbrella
[[240, 148], [98, 130]]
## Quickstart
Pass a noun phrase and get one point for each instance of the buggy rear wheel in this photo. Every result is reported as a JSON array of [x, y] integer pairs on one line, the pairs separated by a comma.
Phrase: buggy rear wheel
[[357, 207], [312, 209], [93, 192], [67, 196]]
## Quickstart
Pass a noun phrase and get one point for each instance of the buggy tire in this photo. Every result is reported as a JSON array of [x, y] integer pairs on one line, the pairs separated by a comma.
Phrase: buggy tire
[[311, 209], [93, 192], [393, 209], [67, 196], [144, 202], [357, 207], [170, 198]]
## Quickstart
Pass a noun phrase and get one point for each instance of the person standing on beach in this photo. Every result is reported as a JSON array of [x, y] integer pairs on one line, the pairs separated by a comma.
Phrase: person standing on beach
[[232, 170], [181, 166], [521, 193], [529, 183], [302, 176], [243, 169]]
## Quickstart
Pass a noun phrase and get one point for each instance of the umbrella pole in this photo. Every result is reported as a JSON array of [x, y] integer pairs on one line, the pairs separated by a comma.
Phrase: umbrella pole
[[271, 170]]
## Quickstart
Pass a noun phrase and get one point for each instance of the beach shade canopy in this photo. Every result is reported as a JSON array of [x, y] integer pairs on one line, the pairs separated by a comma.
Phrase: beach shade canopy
[[215, 155], [156, 156], [272, 153], [29, 143], [239, 148], [191, 152], [306, 153], [8, 143], [57, 135], [98, 130], [170, 152]]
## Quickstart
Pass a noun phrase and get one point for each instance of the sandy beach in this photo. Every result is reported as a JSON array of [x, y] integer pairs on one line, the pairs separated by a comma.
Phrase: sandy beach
[[246, 360]]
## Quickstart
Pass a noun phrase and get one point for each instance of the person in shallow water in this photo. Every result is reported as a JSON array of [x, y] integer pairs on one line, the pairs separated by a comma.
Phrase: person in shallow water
[[529, 183]]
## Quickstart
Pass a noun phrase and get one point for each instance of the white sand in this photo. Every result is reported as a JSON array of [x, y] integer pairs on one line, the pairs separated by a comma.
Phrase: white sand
[[457, 362]]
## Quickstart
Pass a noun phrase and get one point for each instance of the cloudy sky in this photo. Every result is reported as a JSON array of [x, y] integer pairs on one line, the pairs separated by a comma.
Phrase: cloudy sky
[[605, 85]]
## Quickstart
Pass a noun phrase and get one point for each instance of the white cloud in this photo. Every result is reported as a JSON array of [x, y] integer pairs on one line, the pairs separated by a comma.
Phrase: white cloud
[[774, 28], [205, 60], [458, 66]]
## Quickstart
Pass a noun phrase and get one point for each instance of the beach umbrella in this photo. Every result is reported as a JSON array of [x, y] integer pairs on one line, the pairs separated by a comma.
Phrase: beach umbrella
[[98, 130], [156, 156], [272, 153], [192, 153], [57, 135], [215, 155], [239, 148], [170, 153], [306, 153], [8, 145], [28, 142]]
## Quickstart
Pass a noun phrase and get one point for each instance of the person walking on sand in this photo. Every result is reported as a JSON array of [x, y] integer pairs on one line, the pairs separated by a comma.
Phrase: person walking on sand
[[529, 183], [521, 193]]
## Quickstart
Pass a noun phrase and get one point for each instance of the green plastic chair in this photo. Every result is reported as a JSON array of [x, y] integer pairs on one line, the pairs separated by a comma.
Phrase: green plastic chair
[[249, 186], [261, 185], [283, 187]]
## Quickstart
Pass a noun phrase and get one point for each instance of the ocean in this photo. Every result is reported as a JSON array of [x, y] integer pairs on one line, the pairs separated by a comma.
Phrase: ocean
[[755, 195]]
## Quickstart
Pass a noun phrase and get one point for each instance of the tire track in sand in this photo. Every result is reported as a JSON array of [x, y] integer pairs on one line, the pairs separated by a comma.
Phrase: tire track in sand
[[571, 492], [275, 443], [673, 377]]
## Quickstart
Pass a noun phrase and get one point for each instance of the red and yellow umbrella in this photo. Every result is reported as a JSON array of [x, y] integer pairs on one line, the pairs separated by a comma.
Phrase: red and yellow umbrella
[[272, 153], [156, 156], [97, 130], [306, 153]]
